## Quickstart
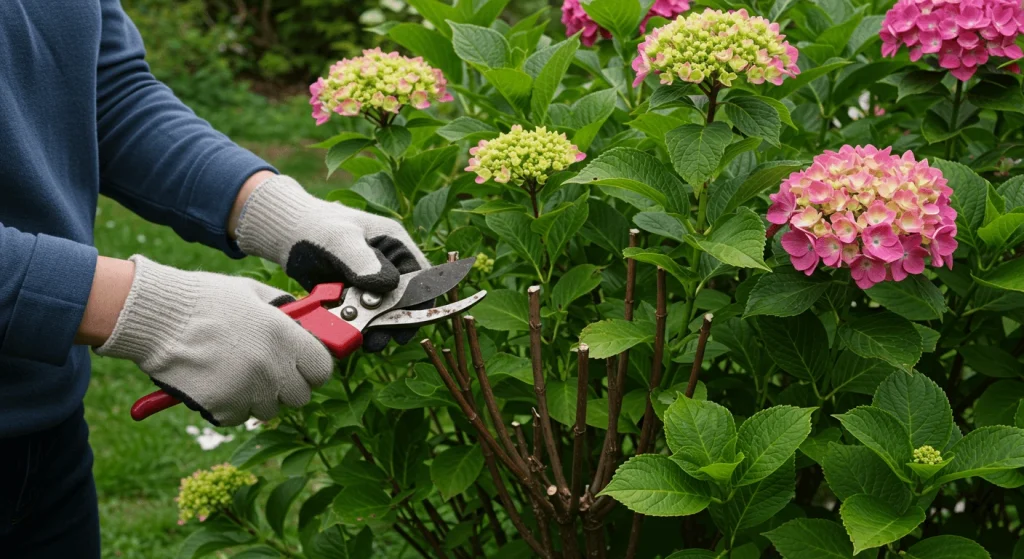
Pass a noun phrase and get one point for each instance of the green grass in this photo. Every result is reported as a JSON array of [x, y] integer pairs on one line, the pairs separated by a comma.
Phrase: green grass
[[139, 465]]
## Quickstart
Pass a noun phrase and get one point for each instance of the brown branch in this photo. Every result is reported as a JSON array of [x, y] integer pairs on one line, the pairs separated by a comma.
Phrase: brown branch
[[410, 540], [524, 448], [467, 408], [580, 430], [616, 390], [488, 393], [651, 420], [593, 533], [427, 534], [510, 507], [540, 388], [538, 445], [435, 517], [474, 419], [485, 500], [698, 358], [467, 392], [458, 327]]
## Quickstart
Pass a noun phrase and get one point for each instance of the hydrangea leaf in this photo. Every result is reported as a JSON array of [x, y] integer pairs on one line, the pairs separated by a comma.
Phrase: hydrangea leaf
[[503, 310], [480, 45], [653, 485], [664, 261], [514, 228], [281, 499], [755, 118], [768, 438], [755, 504], [920, 405], [636, 171], [925, 472], [985, 451], [915, 298], [466, 127], [550, 77], [947, 547], [884, 336], [811, 538], [883, 433], [796, 344], [577, 282], [700, 432], [613, 336], [970, 192], [853, 469], [738, 240], [871, 522], [853, 373], [696, 150], [456, 469], [661, 223], [785, 292], [1008, 276]]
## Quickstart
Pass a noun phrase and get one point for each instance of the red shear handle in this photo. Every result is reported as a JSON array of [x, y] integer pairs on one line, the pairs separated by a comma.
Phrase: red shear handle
[[341, 338]]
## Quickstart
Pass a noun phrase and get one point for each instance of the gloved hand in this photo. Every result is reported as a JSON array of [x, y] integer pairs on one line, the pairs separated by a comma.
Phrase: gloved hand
[[217, 343], [320, 242]]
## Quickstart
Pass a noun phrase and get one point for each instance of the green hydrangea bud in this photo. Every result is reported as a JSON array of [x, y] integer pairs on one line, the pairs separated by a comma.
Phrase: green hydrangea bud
[[208, 491], [520, 156], [716, 46], [484, 264], [927, 455], [379, 81]]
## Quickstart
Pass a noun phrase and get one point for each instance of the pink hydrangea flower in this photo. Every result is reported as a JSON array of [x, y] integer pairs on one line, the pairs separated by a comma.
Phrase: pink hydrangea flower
[[964, 34], [716, 46], [576, 19], [881, 214], [377, 83]]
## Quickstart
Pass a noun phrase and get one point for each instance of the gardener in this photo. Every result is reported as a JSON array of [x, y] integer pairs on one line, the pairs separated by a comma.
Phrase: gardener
[[80, 115]]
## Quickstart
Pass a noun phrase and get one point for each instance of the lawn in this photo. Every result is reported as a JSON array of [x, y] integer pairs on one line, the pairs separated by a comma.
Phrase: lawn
[[138, 465]]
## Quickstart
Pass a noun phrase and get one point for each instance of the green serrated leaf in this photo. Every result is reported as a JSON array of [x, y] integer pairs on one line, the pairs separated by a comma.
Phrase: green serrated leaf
[[359, 505], [515, 229], [480, 45], [883, 433], [654, 485], [514, 85], [738, 241], [998, 404], [550, 77], [699, 433], [755, 504], [986, 451], [661, 223], [884, 336], [456, 469], [925, 472], [756, 118], [871, 522], [696, 150], [786, 292], [920, 405], [280, 500], [636, 171], [663, 261], [503, 310], [768, 438], [915, 298], [852, 470], [613, 336], [795, 344], [947, 547], [342, 151], [577, 282], [811, 538]]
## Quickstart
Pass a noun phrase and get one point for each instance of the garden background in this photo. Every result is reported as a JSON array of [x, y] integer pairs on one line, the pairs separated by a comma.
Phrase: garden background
[[794, 359]]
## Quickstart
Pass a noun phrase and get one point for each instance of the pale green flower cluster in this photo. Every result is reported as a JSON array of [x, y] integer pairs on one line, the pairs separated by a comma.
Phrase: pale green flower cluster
[[717, 46], [483, 263], [377, 80], [208, 491], [521, 156], [927, 455]]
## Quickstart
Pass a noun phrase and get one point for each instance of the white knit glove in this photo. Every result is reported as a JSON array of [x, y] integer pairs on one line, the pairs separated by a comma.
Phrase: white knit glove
[[217, 343], [321, 242]]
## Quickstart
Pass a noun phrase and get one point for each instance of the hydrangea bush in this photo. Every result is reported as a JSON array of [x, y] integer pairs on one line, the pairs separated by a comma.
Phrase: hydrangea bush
[[755, 290]]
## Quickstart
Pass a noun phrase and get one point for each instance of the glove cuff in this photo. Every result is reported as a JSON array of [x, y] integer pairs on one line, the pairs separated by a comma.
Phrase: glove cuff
[[269, 217], [158, 306]]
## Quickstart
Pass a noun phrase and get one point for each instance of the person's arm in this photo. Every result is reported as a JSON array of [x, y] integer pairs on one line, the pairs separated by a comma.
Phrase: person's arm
[[44, 286], [110, 287], [156, 156]]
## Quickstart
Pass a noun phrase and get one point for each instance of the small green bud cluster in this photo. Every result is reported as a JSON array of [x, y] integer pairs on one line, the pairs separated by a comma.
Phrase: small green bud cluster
[[519, 156], [483, 264], [716, 46], [927, 455], [208, 491]]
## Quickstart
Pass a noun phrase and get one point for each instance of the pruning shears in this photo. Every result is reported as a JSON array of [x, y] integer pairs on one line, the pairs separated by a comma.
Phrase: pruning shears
[[338, 316]]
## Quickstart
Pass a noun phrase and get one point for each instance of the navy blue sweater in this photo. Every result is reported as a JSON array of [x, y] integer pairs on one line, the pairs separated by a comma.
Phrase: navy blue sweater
[[81, 115]]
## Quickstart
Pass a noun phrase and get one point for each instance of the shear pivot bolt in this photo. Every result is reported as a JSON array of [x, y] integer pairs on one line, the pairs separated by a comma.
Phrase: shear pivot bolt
[[349, 313], [370, 300]]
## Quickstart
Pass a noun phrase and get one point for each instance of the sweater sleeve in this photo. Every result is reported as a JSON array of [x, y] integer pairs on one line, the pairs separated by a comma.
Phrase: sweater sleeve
[[44, 288], [156, 156]]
